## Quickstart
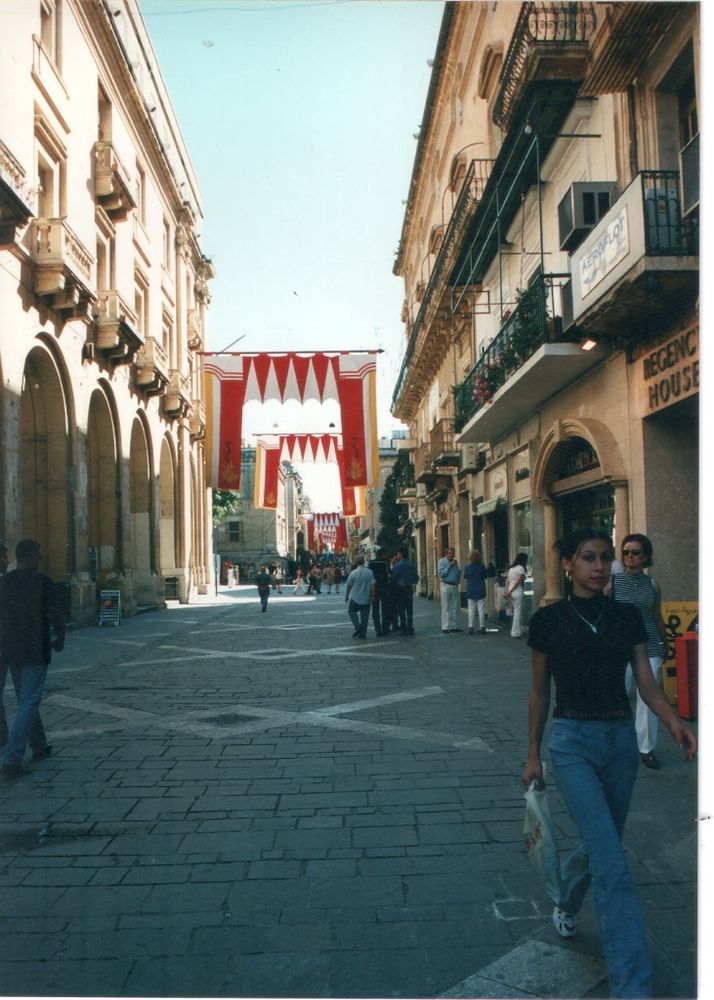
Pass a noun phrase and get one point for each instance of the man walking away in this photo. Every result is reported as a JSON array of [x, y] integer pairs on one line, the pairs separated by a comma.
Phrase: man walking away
[[262, 580], [404, 579], [360, 592], [29, 609], [381, 615], [449, 576]]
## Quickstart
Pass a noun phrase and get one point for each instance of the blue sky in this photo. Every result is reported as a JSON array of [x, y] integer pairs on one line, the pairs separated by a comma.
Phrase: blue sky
[[299, 120]]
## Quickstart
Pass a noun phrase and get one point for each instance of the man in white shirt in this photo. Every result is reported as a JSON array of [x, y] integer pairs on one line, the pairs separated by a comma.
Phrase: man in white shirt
[[449, 576], [360, 594]]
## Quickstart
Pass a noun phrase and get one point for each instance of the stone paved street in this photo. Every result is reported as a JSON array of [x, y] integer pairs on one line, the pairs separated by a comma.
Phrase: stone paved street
[[247, 804]]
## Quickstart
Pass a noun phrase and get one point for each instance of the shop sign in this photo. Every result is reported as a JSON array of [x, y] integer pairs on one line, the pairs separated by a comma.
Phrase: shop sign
[[671, 372], [612, 247], [580, 461]]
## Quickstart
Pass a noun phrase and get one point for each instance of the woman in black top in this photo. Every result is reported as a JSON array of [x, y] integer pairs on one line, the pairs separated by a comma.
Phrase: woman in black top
[[584, 644]]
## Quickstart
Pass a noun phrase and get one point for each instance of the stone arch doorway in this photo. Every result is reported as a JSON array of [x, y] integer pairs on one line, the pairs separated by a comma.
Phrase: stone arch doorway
[[45, 463], [579, 478], [103, 492], [167, 510], [141, 515]]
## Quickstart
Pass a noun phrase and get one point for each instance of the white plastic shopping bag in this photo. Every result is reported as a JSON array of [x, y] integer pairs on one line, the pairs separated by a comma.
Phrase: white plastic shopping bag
[[540, 839]]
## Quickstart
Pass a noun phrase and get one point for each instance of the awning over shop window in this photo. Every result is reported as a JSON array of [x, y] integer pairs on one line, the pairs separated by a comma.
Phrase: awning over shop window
[[488, 506]]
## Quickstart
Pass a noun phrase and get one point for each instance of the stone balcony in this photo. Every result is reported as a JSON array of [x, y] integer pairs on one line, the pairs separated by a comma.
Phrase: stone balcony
[[177, 398], [194, 330], [63, 268], [197, 420], [116, 336], [112, 184], [151, 368]]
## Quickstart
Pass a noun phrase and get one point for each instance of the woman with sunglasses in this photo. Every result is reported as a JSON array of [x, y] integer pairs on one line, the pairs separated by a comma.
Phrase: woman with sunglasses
[[634, 586], [583, 644]]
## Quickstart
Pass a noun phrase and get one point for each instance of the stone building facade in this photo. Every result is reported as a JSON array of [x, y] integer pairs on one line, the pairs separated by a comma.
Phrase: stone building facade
[[549, 253], [103, 309]]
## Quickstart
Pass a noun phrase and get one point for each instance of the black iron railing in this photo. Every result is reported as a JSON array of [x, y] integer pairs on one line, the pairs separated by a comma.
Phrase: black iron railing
[[666, 233], [545, 23], [533, 322], [470, 194]]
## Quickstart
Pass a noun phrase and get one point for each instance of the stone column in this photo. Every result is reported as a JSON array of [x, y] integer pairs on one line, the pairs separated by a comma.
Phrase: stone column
[[622, 514], [553, 585]]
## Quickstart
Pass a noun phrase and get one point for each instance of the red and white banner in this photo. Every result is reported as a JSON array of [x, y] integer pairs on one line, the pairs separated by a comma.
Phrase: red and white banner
[[267, 467], [326, 531], [234, 379]]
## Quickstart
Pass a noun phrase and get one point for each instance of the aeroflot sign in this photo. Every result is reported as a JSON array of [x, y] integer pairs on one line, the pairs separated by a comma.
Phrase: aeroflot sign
[[671, 372]]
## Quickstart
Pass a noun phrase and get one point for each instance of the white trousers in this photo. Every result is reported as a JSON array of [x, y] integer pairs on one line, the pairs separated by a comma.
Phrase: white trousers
[[517, 605], [449, 604], [477, 604], [646, 722]]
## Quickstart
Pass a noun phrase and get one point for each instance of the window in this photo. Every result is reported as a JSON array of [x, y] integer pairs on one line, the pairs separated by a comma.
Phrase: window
[[140, 194], [167, 245], [235, 531], [104, 116], [141, 303], [50, 29]]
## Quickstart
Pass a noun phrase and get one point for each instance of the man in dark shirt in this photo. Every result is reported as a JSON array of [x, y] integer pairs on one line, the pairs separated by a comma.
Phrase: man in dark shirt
[[382, 607], [29, 609], [404, 579]]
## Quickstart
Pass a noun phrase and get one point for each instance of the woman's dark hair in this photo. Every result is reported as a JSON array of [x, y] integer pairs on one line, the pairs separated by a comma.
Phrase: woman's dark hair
[[569, 545], [642, 540], [520, 560]]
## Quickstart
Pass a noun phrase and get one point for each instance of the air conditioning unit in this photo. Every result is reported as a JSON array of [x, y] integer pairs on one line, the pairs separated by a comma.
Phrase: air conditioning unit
[[582, 208]]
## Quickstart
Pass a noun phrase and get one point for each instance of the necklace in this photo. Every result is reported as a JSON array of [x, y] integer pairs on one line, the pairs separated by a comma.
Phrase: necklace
[[591, 625]]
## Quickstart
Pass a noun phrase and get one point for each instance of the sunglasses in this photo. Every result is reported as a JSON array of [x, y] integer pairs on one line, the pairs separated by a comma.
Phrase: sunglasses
[[632, 552]]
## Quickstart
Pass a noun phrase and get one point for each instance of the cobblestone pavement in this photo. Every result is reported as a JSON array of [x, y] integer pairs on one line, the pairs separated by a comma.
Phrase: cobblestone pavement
[[247, 804]]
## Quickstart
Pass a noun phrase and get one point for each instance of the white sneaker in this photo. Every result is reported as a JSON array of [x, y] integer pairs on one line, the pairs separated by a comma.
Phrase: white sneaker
[[565, 923]]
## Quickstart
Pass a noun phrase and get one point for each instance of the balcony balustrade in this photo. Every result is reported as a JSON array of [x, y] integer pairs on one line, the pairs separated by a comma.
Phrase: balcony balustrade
[[112, 183], [63, 268], [151, 368], [116, 335], [639, 263], [524, 365]]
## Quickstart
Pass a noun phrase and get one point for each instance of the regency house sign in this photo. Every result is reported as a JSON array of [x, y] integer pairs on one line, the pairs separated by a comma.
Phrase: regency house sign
[[671, 371]]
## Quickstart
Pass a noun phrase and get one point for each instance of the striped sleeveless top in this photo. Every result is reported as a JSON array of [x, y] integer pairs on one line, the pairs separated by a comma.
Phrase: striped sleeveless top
[[639, 589]]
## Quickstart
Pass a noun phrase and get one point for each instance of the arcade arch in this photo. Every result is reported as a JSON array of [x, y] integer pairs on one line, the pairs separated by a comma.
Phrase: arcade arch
[[141, 513], [103, 489], [579, 477], [167, 509], [45, 462]]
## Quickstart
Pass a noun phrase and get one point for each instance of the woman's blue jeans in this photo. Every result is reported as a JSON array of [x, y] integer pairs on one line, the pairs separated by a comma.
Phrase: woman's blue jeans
[[595, 765]]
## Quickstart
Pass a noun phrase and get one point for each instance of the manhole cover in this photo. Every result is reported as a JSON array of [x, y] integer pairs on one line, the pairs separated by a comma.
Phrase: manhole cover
[[228, 720]]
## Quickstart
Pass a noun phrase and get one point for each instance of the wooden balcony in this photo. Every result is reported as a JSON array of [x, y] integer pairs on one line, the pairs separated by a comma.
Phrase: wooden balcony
[[423, 471], [63, 268], [443, 450], [112, 184], [151, 368], [116, 336]]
